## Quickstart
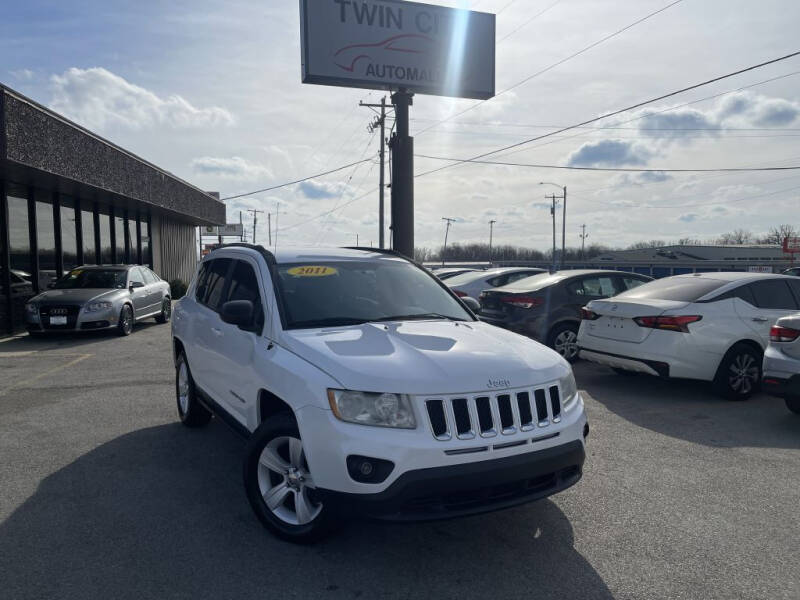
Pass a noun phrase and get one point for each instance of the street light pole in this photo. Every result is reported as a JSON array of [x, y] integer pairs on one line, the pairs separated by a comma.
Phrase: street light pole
[[553, 199], [564, 230], [491, 233]]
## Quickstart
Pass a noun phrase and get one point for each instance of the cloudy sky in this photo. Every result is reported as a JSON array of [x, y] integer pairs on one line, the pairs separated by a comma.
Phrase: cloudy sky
[[211, 91]]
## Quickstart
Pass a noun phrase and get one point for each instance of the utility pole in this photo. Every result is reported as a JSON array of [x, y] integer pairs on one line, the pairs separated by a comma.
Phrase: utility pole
[[564, 229], [491, 233], [269, 229], [446, 231], [255, 220], [553, 198], [583, 237], [380, 122], [402, 147], [357, 246]]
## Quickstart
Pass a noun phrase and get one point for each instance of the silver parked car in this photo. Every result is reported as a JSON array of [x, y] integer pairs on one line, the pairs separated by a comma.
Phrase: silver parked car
[[782, 362], [100, 297]]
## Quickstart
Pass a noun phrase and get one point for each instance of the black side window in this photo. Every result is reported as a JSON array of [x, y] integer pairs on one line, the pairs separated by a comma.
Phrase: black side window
[[202, 278], [598, 287], [136, 276], [244, 286], [498, 281], [795, 285], [215, 283], [774, 294]]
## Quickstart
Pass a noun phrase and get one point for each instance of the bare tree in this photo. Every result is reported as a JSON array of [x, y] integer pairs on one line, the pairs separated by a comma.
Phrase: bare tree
[[650, 244], [777, 234], [737, 237]]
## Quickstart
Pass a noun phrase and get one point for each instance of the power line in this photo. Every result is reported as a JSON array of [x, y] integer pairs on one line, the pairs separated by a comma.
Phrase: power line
[[616, 112], [282, 185], [528, 22], [554, 65], [319, 216], [611, 169]]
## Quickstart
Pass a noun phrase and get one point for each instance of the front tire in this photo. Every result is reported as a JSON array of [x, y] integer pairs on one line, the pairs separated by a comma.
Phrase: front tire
[[564, 340], [166, 311], [279, 484], [125, 323], [190, 411], [793, 404], [739, 374]]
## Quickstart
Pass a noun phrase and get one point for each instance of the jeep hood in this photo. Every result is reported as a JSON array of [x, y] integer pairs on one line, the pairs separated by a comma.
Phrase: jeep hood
[[426, 357]]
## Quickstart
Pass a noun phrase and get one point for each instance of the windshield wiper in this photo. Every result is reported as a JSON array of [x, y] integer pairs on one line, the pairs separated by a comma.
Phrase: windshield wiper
[[414, 317], [329, 322]]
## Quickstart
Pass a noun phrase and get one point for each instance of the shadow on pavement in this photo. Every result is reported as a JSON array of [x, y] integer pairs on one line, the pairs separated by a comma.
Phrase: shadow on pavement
[[66, 340], [690, 410], [161, 513]]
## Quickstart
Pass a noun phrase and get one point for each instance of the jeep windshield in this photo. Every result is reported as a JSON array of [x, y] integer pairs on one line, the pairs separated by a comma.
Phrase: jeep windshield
[[333, 294], [106, 279]]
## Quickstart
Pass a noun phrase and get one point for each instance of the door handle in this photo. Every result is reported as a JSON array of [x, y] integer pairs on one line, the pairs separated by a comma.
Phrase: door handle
[[217, 332], [760, 319]]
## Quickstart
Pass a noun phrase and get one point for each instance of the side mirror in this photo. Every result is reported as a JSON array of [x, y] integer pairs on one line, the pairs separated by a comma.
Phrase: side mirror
[[472, 304], [238, 312], [136, 284]]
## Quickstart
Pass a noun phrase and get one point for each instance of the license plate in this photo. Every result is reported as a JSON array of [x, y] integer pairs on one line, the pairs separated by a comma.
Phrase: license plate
[[616, 322], [58, 320]]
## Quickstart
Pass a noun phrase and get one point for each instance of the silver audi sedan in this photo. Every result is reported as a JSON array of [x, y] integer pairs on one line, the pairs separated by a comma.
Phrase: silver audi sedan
[[100, 297]]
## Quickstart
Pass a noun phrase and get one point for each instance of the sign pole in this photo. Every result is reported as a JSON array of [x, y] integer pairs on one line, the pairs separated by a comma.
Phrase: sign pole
[[402, 147]]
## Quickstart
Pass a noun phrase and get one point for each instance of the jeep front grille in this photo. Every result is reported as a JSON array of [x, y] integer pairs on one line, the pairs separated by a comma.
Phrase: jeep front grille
[[467, 417]]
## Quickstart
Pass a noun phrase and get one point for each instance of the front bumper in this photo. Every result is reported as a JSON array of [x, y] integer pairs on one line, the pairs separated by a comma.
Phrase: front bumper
[[466, 489], [77, 319]]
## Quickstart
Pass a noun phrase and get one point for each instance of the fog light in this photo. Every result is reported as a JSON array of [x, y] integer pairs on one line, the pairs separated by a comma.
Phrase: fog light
[[369, 470]]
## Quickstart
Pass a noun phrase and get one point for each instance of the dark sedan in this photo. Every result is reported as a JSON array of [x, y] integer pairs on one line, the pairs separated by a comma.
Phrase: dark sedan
[[547, 307]]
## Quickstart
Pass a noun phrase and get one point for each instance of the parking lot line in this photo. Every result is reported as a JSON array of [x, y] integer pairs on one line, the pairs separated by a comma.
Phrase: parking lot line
[[75, 361]]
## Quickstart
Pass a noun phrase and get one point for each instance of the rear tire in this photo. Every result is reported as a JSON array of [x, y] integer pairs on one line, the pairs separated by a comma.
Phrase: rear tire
[[125, 323], [279, 483], [563, 339], [166, 311], [793, 404], [739, 374], [190, 411]]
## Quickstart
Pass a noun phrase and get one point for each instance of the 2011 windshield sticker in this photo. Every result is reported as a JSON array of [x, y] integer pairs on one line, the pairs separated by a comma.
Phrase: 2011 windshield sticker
[[313, 271]]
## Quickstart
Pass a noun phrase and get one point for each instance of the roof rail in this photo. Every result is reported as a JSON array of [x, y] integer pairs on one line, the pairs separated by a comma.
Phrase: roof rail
[[386, 251], [268, 256]]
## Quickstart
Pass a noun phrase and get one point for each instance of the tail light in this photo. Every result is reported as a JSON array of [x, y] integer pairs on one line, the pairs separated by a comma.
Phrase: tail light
[[522, 301], [783, 334], [460, 294], [680, 323], [588, 315]]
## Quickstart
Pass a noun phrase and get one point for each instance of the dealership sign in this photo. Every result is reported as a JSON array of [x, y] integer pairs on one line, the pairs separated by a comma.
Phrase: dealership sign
[[232, 230], [391, 44]]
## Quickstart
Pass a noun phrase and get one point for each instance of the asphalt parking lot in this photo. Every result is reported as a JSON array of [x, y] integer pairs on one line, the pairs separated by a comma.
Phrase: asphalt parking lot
[[104, 495]]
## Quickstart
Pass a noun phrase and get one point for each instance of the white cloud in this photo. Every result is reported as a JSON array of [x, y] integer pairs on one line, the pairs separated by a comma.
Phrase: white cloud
[[611, 153], [98, 98], [23, 74], [315, 190], [234, 167]]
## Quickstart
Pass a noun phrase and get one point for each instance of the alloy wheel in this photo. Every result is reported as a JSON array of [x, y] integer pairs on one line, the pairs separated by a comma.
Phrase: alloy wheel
[[285, 482], [183, 388], [566, 344], [743, 373]]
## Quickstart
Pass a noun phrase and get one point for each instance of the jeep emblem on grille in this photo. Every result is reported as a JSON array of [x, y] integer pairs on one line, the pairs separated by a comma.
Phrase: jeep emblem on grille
[[498, 383]]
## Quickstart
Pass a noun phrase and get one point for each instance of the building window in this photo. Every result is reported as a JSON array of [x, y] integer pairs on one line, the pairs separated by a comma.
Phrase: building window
[[20, 253], [45, 240], [69, 239], [105, 238], [87, 237], [133, 250], [146, 258], [119, 231]]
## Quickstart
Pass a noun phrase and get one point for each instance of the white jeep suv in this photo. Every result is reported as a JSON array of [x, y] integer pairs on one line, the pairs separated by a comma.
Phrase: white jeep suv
[[367, 388]]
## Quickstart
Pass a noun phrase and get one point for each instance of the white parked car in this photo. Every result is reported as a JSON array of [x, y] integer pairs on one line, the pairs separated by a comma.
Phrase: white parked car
[[782, 362], [365, 387], [470, 285], [708, 326]]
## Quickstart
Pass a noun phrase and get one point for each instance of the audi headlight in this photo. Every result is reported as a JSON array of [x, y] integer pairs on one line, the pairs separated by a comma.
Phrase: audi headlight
[[367, 408], [569, 391], [32, 309], [97, 306]]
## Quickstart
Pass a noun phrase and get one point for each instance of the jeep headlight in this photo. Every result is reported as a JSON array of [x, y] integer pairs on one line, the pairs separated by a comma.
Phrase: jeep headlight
[[368, 408], [569, 391], [97, 306]]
